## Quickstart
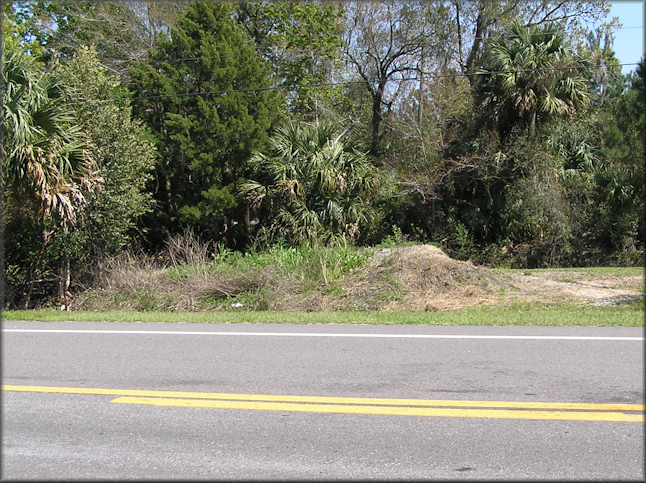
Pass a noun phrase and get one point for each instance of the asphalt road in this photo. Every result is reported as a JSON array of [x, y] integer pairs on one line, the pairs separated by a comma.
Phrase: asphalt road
[[195, 401]]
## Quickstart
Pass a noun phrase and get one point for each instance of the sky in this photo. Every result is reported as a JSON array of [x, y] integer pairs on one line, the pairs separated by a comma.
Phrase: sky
[[629, 40]]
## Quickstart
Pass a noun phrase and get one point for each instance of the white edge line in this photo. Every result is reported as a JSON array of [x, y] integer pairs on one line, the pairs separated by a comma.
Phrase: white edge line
[[319, 334]]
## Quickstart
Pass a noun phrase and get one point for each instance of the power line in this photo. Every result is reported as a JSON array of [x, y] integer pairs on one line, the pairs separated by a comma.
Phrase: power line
[[552, 32], [188, 59], [362, 81]]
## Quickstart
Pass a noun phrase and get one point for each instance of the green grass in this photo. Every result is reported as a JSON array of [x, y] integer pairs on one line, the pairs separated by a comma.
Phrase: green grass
[[314, 263], [626, 315]]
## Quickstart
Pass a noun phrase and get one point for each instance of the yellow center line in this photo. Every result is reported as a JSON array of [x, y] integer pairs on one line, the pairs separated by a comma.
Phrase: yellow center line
[[354, 405], [386, 410]]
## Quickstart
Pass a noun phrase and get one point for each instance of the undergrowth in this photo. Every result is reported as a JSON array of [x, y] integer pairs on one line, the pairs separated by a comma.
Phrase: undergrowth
[[193, 276], [189, 277]]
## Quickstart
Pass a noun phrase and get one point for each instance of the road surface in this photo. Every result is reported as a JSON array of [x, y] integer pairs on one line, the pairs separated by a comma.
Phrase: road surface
[[250, 401]]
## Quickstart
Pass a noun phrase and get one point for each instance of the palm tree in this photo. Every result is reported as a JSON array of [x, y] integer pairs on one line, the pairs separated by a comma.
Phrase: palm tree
[[312, 185], [531, 75], [46, 165]]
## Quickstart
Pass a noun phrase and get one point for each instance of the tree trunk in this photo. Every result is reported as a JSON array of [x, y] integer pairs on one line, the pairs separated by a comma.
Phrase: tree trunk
[[62, 290], [63, 279], [475, 51], [532, 127], [247, 220], [377, 100]]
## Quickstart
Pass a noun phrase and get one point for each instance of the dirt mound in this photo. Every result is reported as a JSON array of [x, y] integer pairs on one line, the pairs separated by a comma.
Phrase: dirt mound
[[424, 278], [420, 277]]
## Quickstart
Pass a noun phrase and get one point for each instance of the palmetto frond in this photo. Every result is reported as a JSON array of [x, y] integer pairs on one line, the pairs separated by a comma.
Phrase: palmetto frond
[[534, 74], [253, 191], [314, 178], [46, 156]]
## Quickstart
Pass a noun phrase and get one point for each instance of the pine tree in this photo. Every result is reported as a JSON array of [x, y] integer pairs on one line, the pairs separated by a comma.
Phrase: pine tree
[[206, 95]]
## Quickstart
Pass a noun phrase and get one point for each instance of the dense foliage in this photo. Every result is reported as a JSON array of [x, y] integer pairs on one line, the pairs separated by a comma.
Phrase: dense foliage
[[504, 131], [313, 186], [203, 142], [121, 148]]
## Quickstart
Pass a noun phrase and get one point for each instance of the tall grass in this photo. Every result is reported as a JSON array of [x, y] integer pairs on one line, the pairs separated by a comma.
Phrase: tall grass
[[194, 275]]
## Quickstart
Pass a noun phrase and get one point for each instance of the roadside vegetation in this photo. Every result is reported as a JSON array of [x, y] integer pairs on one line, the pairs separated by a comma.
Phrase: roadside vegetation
[[227, 157], [391, 283]]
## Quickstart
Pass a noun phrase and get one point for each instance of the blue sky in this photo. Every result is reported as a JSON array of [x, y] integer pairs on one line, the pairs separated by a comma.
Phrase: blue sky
[[629, 40]]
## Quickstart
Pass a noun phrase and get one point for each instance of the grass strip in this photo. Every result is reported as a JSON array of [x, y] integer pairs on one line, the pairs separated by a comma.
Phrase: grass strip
[[623, 315]]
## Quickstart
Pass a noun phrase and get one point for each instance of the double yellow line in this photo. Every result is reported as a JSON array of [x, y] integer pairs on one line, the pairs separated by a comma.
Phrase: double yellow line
[[353, 405]]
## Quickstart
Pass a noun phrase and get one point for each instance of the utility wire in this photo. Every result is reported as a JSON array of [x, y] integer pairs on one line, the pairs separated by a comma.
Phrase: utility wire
[[187, 59], [361, 81]]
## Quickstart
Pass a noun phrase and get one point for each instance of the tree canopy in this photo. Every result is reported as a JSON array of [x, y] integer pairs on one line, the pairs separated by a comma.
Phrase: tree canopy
[[530, 75]]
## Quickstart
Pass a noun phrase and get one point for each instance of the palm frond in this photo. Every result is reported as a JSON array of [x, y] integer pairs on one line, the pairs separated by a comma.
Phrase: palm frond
[[47, 155]]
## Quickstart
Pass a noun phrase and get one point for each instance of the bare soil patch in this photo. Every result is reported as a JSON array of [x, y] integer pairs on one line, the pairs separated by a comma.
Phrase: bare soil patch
[[576, 286], [424, 278]]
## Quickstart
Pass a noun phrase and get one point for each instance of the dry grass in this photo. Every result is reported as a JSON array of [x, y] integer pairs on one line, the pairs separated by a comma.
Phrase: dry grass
[[428, 278], [132, 284], [180, 279], [188, 249]]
